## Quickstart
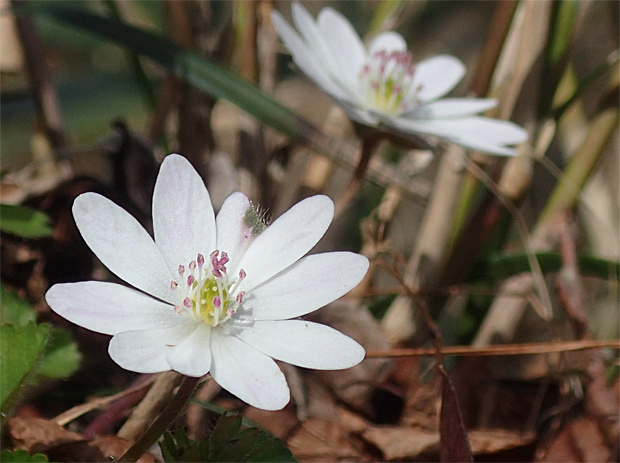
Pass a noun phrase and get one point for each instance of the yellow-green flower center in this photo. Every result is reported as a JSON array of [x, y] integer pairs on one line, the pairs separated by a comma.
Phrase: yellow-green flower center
[[207, 293], [387, 79]]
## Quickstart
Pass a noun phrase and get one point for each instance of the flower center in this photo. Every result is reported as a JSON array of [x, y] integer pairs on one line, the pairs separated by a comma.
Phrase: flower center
[[386, 80], [206, 291]]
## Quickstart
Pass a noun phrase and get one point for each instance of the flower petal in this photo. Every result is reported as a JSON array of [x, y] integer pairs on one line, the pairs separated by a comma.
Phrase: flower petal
[[305, 57], [108, 308], [474, 132], [387, 41], [183, 218], [435, 77], [309, 284], [247, 373], [345, 45], [145, 351], [233, 235], [314, 38], [451, 107], [303, 343], [286, 240], [122, 245], [192, 356], [478, 144]]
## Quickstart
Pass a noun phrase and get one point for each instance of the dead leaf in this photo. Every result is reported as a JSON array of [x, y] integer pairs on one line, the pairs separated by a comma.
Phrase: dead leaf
[[38, 434], [580, 440], [355, 386], [454, 445], [400, 443], [321, 440]]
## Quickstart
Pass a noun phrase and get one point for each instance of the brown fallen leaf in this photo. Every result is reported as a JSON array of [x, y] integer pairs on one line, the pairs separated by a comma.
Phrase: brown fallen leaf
[[454, 445], [580, 440], [322, 440], [355, 386], [399, 443], [38, 435]]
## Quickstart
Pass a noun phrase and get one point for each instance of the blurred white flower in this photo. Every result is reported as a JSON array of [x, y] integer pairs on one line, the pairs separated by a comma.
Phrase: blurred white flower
[[382, 85], [213, 294]]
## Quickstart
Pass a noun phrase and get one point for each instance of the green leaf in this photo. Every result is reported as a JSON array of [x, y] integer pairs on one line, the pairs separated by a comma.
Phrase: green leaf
[[14, 310], [225, 429], [19, 456], [20, 348], [227, 443], [23, 221], [190, 66], [61, 357]]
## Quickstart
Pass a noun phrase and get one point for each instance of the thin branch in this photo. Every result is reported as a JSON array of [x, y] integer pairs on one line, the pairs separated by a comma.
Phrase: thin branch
[[501, 350]]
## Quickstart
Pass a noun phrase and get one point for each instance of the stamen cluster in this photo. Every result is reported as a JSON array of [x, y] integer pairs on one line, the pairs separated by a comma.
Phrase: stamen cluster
[[387, 78], [207, 291]]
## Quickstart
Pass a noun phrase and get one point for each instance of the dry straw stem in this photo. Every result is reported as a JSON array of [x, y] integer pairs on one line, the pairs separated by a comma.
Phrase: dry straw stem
[[507, 310], [151, 406], [433, 241], [98, 403], [39, 76]]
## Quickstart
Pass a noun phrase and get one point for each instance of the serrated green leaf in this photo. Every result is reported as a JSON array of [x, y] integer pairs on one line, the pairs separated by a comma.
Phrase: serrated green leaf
[[225, 429], [61, 357], [21, 456], [23, 221], [20, 348], [13, 309], [227, 443]]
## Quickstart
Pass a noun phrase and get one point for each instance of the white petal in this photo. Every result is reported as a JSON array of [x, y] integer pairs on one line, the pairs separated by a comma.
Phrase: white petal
[[122, 245], [109, 308], [286, 240], [487, 134], [359, 114], [345, 45], [504, 132], [486, 146], [306, 58], [314, 38], [436, 76], [247, 373], [305, 344], [145, 351], [192, 356], [233, 236], [183, 218], [451, 107], [388, 42], [309, 284]]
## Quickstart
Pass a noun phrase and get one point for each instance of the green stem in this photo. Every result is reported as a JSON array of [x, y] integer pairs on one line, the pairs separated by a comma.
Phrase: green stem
[[159, 426]]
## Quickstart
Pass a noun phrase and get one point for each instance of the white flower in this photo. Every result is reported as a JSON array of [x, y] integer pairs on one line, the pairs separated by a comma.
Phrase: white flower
[[382, 85], [213, 294]]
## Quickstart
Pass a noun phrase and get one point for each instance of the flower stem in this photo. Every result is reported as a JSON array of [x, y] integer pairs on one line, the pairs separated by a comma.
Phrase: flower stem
[[367, 148], [159, 426]]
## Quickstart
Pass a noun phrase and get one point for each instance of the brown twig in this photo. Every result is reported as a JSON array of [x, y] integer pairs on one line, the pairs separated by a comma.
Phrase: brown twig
[[430, 323], [367, 147], [501, 350], [159, 426], [40, 80], [98, 403]]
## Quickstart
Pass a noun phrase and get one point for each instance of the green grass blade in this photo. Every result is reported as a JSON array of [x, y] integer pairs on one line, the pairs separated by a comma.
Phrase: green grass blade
[[186, 64]]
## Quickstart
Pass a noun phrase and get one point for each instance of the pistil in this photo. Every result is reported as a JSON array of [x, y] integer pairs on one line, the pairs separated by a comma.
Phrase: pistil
[[388, 80], [208, 293]]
